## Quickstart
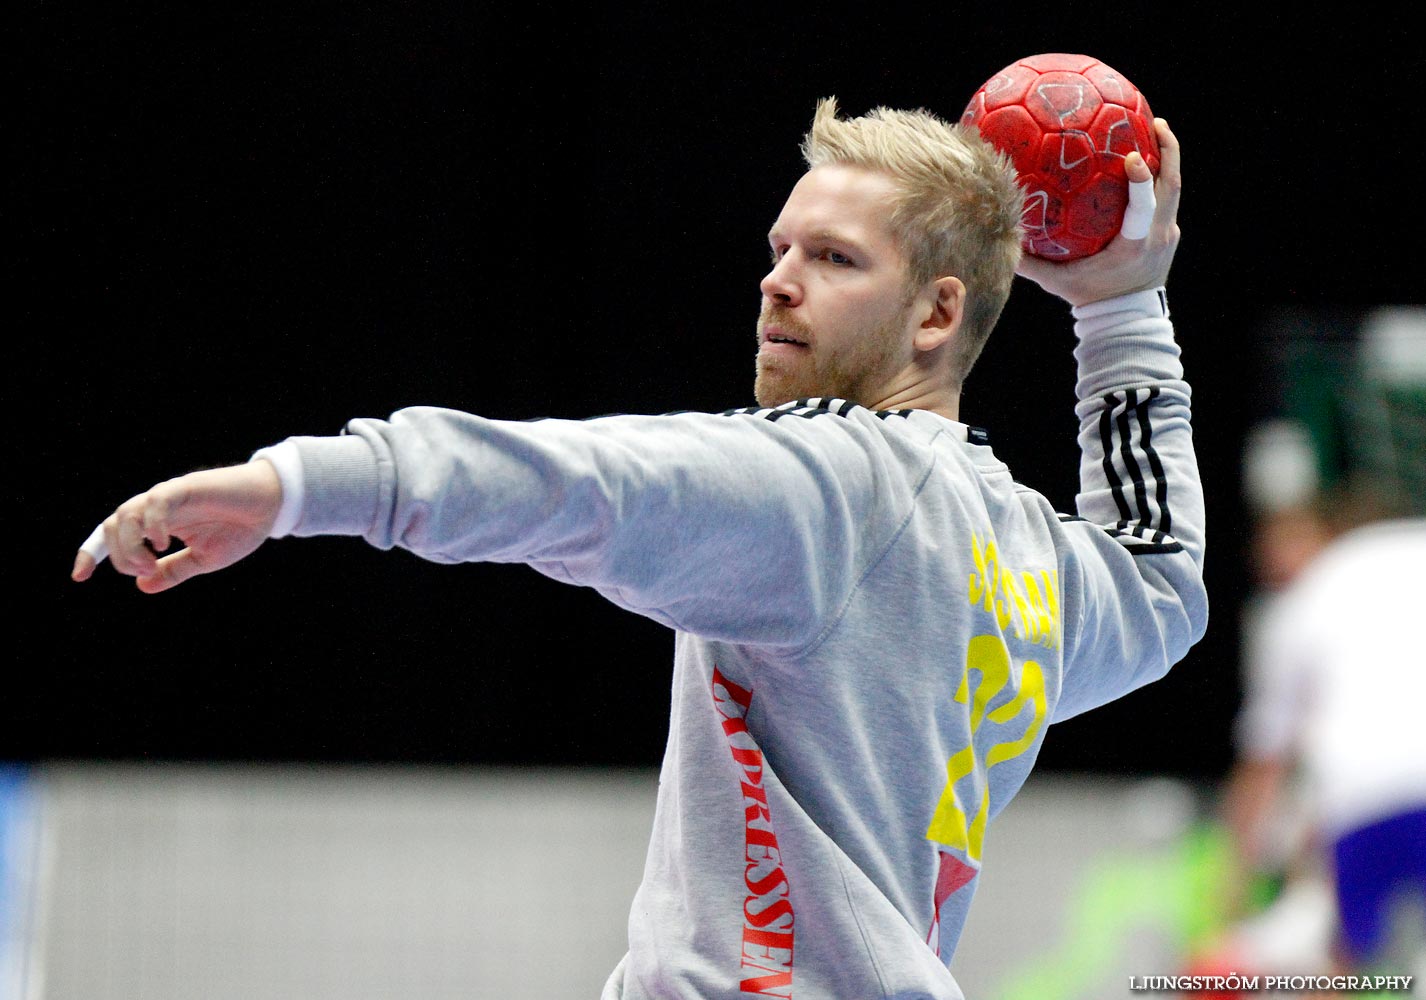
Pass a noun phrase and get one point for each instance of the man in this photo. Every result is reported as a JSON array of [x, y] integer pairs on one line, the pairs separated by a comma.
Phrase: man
[[1332, 702], [875, 623]]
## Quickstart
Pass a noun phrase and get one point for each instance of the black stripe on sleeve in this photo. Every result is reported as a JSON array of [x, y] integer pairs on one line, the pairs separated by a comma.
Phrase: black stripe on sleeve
[[1106, 442], [1132, 543], [1131, 464], [1161, 486]]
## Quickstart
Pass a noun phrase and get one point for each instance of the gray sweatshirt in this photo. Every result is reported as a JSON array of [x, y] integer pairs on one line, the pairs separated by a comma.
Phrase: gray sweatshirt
[[875, 625]]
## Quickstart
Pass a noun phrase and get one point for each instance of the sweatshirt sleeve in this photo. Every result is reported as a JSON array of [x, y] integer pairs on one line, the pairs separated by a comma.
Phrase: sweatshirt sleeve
[[731, 526], [1137, 600]]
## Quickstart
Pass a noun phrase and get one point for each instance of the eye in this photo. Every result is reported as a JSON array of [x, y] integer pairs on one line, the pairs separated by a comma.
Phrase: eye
[[778, 251], [837, 257]]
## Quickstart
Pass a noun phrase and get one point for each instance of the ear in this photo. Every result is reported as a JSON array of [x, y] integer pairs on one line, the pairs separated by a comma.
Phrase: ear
[[946, 308]]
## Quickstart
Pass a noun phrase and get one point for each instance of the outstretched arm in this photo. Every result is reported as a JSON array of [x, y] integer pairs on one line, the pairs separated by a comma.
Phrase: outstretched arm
[[221, 515], [737, 526]]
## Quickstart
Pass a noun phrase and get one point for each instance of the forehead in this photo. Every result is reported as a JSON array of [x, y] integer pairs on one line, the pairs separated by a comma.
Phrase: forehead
[[850, 201]]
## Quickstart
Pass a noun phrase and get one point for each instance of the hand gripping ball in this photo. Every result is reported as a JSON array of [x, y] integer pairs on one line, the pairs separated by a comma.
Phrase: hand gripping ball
[[1067, 122]]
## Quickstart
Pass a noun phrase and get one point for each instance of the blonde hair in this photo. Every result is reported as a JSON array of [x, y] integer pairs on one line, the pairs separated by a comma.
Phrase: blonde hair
[[958, 211]]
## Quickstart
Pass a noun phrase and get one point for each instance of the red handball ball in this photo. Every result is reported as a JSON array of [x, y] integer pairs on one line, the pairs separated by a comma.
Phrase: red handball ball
[[1067, 121]]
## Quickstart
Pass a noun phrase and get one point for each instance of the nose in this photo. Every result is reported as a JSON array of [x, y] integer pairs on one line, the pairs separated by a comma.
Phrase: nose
[[781, 284]]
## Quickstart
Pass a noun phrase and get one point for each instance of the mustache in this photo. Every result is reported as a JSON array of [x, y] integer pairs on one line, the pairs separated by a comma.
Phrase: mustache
[[781, 316]]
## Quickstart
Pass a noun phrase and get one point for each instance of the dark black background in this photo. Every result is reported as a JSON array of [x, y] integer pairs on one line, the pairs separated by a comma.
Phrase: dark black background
[[228, 228]]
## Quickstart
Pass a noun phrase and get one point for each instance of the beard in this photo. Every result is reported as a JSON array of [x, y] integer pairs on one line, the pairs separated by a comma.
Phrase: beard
[[856, 370]]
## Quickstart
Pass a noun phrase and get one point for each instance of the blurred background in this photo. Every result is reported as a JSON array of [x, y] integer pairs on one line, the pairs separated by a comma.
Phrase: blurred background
[[335, 771]]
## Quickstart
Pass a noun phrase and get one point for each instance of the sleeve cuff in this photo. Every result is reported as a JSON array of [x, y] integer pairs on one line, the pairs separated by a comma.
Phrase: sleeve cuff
[[1092, 317], [286, 459], [1125, 342]]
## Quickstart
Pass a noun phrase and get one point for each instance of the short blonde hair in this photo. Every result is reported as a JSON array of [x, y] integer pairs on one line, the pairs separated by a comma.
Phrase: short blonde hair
[[959, 208]]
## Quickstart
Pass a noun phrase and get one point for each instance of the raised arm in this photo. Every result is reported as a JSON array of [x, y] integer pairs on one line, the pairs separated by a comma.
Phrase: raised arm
[[1138, 531]]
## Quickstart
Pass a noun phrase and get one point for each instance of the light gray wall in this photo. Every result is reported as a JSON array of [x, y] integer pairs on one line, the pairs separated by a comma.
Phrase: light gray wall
[[422, 884]]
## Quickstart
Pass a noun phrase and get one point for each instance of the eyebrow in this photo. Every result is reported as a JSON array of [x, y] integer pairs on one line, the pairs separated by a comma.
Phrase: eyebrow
[[824, 236]]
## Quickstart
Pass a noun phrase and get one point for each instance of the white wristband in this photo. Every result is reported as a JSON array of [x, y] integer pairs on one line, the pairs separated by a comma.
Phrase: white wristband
[[1151, 303], [286, 460]]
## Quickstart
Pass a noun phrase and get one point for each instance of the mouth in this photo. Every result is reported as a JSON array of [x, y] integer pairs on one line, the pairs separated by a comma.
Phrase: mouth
[[776, 335]]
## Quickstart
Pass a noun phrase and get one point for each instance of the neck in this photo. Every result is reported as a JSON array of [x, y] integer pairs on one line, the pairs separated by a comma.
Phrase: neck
[[921, 393]]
